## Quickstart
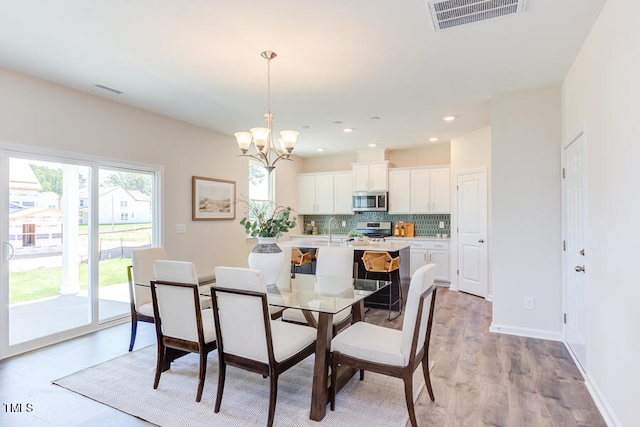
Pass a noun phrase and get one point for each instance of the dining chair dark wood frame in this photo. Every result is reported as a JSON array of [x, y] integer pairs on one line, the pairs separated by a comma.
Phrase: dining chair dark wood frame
[[201, 347], [136, 316], [273, 369], [405, 373]]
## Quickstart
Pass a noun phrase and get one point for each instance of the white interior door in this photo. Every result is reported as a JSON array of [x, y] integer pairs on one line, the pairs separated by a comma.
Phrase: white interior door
[[472, 232], [575, 290]]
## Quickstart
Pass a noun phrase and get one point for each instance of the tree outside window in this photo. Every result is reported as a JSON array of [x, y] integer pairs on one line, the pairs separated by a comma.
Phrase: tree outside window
[[260, 184]]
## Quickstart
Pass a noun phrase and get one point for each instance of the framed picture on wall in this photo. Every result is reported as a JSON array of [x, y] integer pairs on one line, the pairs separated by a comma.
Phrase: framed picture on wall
[[212, 199]]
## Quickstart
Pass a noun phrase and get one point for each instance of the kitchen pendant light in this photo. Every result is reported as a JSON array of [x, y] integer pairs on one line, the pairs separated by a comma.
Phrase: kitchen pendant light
[[262, 137]]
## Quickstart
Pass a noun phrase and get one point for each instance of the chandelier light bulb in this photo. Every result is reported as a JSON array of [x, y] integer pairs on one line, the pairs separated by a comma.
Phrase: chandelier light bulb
[[244, 141], [289, 138]]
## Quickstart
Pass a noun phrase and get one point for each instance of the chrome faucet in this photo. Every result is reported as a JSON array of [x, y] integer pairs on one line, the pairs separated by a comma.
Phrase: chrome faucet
[[330, 221]]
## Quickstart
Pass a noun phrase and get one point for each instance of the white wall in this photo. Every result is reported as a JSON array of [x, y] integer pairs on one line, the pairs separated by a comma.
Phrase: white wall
[[470, 151], [526, 210], [601, 94], [37, 113], [430, 155]]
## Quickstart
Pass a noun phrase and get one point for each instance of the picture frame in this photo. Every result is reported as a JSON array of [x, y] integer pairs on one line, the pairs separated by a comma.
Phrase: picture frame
[[212, 199]]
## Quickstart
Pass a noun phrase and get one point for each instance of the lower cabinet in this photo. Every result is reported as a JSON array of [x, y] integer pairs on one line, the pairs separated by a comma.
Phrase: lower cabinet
[[426, 252]]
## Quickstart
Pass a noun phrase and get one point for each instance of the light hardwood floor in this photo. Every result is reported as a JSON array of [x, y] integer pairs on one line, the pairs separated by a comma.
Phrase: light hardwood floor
[[479, 378]]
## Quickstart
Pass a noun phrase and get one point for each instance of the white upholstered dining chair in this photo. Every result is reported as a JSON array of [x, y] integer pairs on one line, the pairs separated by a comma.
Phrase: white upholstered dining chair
[[332, 262], [181, 322], [140, 273], [248, 338], [387, 351]]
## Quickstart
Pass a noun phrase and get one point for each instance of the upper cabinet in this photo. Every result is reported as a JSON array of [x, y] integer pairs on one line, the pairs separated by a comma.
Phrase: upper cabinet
[[315, 194], [419, 191], [325, 193], [370, 176], [399, 191], [342, 192], [440, 191]]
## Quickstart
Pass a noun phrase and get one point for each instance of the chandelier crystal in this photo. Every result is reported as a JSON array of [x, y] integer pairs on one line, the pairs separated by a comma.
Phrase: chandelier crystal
[[262, 138]]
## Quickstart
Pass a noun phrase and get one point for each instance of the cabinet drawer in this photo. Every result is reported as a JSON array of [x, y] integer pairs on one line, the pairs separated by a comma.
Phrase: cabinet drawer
[[427, 245]]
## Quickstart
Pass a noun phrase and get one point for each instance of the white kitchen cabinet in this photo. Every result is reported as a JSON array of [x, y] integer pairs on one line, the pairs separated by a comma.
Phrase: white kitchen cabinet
[[440, 191], [370, 176], [342, 192], [426, 252], [315, 193], [399, 191], [419, 190]]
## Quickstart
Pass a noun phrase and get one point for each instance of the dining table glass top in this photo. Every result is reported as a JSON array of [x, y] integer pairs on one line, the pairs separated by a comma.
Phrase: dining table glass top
[[321, 294]]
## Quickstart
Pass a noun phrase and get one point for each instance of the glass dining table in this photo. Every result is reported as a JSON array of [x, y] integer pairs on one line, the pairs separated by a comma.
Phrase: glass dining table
[[325, 296]]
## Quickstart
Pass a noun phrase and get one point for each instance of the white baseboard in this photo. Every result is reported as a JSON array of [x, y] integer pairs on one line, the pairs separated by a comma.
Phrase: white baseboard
[[598, 398], [524, 332]]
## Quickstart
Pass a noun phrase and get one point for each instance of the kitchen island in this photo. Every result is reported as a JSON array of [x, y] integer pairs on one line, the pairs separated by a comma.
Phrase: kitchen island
[[400, 278]]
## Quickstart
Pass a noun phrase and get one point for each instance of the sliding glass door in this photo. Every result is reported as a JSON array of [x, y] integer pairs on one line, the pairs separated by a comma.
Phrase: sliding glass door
[[45, 253], [68, 228], [125, 223]]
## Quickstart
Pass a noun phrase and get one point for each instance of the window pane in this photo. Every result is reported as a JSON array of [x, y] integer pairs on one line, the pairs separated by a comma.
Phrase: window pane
[[125, 223], [48, 281], [259, 188]]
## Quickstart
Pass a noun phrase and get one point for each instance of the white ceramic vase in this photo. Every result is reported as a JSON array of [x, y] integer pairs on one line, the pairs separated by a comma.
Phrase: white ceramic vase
[[267, 257]]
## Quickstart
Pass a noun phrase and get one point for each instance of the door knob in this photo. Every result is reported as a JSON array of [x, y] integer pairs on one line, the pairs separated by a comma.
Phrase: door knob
[[480, 241], [580, 268]]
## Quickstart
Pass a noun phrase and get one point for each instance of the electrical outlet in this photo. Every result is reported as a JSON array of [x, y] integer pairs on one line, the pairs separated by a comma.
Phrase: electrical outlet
[[529, 303], [344, 224], [441, 225]]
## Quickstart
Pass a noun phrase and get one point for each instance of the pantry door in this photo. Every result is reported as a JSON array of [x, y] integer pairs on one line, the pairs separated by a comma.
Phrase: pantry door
[[471, 189], [574, 266]]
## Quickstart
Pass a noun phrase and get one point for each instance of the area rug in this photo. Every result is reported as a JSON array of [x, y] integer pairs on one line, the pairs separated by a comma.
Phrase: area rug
[[126, 384]]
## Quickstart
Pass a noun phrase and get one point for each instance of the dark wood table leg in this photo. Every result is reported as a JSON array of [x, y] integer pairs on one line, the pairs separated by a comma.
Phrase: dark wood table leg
[[320, 387], [310, 319]]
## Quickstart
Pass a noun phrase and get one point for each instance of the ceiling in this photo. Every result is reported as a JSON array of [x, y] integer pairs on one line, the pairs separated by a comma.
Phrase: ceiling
[[199, 61]]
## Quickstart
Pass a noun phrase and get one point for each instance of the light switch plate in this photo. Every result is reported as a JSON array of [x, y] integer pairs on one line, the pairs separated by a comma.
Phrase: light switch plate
[[181, 228]]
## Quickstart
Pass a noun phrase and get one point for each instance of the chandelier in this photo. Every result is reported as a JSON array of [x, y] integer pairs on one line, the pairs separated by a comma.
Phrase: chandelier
[[266, 149]]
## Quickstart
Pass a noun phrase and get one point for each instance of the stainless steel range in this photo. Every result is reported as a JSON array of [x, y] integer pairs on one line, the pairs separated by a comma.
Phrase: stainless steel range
[[375, 231]]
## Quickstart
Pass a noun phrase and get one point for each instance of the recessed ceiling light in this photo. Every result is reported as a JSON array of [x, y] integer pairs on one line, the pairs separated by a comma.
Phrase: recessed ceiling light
[[373, 145], [434, 139], [449, 118], [319, 150], [348, 130], [375, 118], [306, 127], [338, 122]]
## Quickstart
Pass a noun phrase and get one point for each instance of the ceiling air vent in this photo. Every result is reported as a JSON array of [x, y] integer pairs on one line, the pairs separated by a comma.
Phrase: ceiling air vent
[[453, 13]]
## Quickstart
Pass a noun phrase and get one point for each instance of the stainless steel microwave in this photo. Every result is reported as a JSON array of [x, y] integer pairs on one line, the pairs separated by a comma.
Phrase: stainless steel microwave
[[367, 201]]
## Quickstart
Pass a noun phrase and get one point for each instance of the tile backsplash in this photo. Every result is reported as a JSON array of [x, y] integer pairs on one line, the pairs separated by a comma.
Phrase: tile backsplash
[[425, 225]]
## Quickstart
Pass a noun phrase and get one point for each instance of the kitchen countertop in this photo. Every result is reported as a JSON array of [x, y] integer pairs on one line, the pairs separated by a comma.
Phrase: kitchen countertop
[[344, 237], [314, 242]]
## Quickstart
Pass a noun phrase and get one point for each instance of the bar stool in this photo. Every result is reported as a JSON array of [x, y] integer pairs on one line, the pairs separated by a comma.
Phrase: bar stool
[[383, 263], [300, 259]]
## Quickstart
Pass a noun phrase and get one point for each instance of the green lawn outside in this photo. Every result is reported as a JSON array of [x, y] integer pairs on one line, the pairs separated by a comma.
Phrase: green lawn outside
[[45, 282]]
